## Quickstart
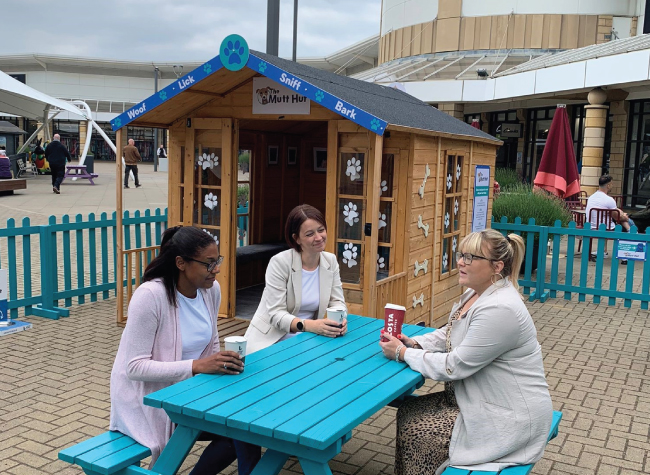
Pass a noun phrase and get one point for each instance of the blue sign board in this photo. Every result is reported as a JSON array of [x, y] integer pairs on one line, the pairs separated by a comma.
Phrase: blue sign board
[[234, 55]]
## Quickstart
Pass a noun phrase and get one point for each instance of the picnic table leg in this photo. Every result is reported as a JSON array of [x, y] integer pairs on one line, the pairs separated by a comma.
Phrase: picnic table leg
[[176, 450], [271, 463], [310, 467]]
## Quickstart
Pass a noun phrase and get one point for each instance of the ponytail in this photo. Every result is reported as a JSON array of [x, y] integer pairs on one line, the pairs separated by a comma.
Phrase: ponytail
[[516, 242]]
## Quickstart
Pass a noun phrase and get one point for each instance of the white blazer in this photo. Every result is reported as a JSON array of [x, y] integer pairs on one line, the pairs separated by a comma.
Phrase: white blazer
[[282, 297]]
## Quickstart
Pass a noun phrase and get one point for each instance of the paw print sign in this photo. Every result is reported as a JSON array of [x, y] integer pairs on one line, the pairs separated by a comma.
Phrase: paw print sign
[[118, 122], [354, 168], [382, 221], [213, 236], [208, 160], [211, 201], [319, 96], [351, 214], [162, 95], [350, 255], [234, 52]]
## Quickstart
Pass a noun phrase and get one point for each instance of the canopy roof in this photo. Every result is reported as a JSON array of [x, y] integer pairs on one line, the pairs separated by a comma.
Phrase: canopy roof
[[19, 99], [369, 105]]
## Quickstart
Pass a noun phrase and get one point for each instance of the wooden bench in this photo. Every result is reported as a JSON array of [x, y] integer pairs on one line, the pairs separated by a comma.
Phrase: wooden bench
[[516, 469], [8, 186], [106, 454]]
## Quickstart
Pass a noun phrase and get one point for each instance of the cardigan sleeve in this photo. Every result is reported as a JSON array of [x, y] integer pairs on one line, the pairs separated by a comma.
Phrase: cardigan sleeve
[[435, 341], [138, 340], [493, 330]]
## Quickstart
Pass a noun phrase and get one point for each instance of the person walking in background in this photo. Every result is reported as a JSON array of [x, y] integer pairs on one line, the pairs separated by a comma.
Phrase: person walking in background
[[131, 159], [57, 154], [162, 153]]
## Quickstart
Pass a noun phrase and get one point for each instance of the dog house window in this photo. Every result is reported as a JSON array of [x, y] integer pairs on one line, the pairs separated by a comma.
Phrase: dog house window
[[453, 186]]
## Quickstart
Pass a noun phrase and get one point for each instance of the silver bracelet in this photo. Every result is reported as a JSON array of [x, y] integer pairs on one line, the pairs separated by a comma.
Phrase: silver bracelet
[[399, 348]]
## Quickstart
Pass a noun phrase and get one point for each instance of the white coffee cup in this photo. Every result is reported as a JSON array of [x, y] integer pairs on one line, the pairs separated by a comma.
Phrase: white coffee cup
[[236, 344], [336, 314]]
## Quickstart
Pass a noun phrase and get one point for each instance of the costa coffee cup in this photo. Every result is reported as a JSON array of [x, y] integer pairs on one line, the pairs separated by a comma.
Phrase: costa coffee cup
[[393, 319], [237, 344], [336, 314]]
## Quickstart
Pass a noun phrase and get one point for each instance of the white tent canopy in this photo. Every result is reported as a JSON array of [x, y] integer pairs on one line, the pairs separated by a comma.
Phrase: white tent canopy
[[19, 99]]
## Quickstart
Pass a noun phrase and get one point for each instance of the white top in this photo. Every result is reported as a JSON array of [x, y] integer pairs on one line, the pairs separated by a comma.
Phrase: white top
[[196, 325], [599, 200], [310, 297]]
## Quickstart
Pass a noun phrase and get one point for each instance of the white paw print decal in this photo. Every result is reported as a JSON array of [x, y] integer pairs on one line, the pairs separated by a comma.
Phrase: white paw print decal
[[354, 167], [446, 220], [458, 172], [383, 186], [211, 201], [208, 160], [454, 241], [381, 262], [350, 255], [351, 214], [216, 239], [382, 221], [455, 206], [449, 180], [445, 260]]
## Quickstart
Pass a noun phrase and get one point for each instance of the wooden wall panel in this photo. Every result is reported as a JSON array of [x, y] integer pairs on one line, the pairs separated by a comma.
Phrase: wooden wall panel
[[569, 31], [555, 31], [591, 30], [416, 45], [467, 30], [407, 36], [449, 8], [447, 34], [484, 32], [426, 39], [537, 27]]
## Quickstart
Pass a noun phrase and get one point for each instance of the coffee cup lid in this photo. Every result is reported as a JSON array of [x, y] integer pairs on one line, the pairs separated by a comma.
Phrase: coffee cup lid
[[235, 339]]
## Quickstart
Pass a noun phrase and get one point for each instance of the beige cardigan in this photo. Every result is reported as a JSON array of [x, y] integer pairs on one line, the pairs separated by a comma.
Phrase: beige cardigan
[[282, 297], [498, 372], [149, 359]]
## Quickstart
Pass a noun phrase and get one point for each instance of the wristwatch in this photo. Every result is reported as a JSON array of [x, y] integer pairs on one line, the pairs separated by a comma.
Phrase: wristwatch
[[300, 326]]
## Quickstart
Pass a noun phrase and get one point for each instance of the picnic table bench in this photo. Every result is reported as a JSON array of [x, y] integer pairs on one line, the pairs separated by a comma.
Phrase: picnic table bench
[[79, 171], [301, 397]]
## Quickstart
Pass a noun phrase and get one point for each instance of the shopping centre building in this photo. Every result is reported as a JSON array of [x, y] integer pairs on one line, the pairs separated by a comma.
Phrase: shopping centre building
[[505, 63]]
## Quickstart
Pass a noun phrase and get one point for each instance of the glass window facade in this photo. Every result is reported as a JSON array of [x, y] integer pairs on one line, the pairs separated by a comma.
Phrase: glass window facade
[[636, 178]]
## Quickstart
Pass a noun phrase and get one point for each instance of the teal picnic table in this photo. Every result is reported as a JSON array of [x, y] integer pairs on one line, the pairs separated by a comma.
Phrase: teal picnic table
[[300, 397]]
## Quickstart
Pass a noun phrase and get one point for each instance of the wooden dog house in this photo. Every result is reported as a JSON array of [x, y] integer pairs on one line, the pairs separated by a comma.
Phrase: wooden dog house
[[394, 176]]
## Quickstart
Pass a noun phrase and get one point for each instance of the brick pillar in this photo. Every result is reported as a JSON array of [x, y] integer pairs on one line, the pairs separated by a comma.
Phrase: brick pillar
[[604, 32], [594, 140], [453, 109], [619, 139]]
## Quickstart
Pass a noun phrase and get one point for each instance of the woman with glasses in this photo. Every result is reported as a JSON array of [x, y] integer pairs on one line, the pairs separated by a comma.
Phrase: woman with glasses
[[301, 283], [170, 335], [495, 410]]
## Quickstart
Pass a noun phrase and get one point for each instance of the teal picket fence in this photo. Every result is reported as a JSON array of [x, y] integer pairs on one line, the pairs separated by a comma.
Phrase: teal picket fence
[[562, 269], [76, 259]]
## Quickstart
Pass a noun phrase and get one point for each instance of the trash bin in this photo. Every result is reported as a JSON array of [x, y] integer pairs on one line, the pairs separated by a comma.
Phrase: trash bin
[[90, 163]]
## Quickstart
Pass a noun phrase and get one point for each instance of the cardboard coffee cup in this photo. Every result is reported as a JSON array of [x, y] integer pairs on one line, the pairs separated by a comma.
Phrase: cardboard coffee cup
[[237, 344], [336, 314], [393, 319]]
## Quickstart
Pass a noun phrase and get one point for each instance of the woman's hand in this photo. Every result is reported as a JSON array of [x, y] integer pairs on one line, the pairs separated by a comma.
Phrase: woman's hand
[[326, 327], [408, 342], [224, 362], [389, 347]]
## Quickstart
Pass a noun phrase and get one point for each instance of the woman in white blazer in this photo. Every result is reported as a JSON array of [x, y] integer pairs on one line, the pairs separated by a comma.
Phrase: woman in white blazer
[[496, 409], [301, 283]]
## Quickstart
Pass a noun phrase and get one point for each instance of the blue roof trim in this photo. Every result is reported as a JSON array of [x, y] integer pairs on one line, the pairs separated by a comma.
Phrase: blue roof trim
[[325, 99], [167, 93]]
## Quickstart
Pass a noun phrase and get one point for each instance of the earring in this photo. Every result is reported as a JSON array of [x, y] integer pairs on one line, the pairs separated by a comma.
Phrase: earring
[[502, 279]]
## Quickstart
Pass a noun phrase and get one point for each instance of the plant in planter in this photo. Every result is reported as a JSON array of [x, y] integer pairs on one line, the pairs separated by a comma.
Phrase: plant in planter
[[507, 178], [521, 201]]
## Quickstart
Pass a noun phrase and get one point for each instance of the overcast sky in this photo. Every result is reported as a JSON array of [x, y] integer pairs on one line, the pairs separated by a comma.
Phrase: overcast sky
[[166, 30]]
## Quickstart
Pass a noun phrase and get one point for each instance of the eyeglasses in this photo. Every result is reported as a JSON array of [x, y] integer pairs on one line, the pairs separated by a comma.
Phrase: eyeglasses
[[211, 266], [468, 258]]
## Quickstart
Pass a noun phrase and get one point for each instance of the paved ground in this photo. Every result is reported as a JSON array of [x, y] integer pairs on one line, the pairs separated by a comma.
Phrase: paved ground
[[54, 391]]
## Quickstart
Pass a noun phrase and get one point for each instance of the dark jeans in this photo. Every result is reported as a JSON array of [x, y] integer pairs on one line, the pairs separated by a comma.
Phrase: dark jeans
[[58, 171], [134, 169], [223, 451]]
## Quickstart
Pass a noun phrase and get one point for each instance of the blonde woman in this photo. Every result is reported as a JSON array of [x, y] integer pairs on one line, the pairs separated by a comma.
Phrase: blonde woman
[[495, 410]]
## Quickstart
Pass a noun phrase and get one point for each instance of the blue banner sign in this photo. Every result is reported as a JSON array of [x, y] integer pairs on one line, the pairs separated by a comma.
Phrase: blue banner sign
[[167, 93], [325, 99]]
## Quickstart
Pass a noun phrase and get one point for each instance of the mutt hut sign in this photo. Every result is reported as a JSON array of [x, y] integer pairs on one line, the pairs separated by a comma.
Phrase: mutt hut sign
[[271, 98]]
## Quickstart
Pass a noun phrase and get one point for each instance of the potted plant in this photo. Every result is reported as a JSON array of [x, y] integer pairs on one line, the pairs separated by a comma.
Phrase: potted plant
[[521, 200]]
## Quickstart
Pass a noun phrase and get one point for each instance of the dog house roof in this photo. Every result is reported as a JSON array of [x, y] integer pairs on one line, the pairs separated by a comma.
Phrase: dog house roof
[[372, 106]]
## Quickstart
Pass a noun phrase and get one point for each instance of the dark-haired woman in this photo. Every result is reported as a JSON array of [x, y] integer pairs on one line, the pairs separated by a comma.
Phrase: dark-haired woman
[[170, 335], [301, 283], [495, 410]]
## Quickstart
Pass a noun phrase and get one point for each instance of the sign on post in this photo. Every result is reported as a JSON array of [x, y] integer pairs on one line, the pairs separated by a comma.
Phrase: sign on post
[[271, 98], [631, 250], [481, 198]]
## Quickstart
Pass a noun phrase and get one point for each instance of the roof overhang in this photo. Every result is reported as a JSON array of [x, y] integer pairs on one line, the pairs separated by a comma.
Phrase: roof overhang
[[19, 99]]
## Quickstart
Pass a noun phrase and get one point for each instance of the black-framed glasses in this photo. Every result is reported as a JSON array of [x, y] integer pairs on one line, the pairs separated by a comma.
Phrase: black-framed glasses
[[468, 258], [211, 266]]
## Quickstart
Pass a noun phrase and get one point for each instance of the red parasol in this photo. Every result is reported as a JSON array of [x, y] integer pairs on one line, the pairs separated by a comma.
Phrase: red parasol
[[476, 124], [558, 170]]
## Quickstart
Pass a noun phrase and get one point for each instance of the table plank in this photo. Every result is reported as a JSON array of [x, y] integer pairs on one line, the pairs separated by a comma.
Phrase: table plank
[[264, 371], [288, 379]]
